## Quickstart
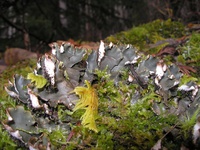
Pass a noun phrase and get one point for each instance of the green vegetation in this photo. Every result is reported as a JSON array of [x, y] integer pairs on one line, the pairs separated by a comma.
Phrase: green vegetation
[[190, 52], [121, 124], [137, 122], [149, 33], [21, 68], [89, 102], [185, 79], [112, 113], [39, 80], [189, 123]]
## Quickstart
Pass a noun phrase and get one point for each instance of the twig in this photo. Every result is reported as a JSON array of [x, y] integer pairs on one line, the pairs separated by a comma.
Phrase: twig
[[20, 28], [139, 80]]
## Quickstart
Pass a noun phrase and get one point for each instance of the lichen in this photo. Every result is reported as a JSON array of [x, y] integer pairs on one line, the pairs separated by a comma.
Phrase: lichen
[[134, 99]]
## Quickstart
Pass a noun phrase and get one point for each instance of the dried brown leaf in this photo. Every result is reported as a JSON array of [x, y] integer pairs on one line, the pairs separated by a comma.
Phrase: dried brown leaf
[[186, 69]]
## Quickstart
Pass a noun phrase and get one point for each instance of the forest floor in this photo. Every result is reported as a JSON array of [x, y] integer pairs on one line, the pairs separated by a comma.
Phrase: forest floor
[[121, 124]]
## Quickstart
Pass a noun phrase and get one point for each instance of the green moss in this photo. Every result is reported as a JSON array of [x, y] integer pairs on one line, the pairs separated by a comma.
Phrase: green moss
[[64, 114], [185, 79], [6, 143], [188, 124], [191, 51], [149, 33], [104, 140], [181, 59], [38, 80], [142, 123], [130, 125], [58, 137]]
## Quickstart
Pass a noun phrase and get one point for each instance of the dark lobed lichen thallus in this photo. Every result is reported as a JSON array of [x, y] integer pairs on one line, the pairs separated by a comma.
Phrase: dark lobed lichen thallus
[[68, 68]]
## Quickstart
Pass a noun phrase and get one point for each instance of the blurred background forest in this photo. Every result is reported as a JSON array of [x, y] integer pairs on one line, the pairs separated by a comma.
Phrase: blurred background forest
[[33, 24]]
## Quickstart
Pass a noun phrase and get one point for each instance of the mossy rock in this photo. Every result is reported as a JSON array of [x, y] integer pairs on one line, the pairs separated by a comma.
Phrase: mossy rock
[[141, 98], [149, 33]]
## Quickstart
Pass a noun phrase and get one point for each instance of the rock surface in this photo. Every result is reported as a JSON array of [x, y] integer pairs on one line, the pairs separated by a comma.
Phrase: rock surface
[[14, 55]]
